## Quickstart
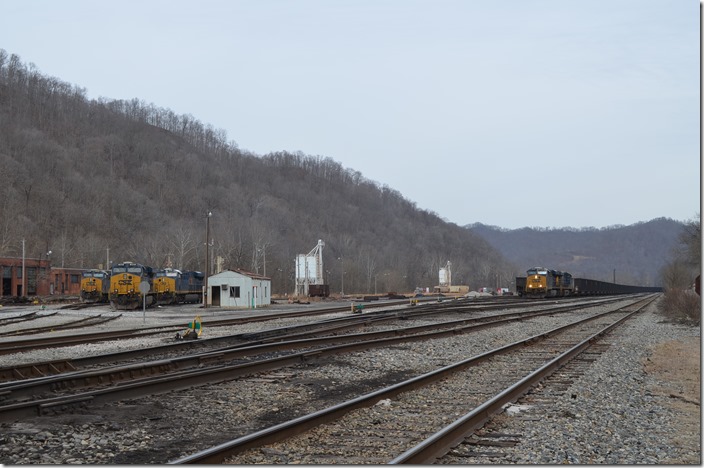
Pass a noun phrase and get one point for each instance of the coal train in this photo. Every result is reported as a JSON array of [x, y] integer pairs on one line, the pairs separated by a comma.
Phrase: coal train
[[542, 282]]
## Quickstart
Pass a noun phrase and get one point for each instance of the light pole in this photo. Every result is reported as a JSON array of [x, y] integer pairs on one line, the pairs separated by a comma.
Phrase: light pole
[[207, 257], [281, 281], [48, 271], [342, 266], [263, 251], [43, 274], [24, 292]]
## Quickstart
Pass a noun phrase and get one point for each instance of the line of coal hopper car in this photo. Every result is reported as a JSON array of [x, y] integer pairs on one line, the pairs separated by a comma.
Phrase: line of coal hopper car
[[166, 286], [542, 282]]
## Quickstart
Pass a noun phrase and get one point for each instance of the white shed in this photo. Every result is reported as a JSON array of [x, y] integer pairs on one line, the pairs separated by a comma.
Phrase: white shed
[[239, 289]]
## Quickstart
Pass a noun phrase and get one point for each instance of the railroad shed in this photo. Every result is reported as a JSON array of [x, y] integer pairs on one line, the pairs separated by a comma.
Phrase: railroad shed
[[238, 288]]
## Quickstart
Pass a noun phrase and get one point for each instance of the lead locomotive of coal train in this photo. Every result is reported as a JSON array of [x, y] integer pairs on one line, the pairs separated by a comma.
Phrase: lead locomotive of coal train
[[166, 286], [541, 282]]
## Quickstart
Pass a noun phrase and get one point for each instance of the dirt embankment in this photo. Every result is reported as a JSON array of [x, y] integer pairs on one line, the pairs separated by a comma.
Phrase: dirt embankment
[[677, 367]]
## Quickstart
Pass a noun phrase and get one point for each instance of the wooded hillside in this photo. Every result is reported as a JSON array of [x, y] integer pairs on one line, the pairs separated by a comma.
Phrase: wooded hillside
[[83, 176], [637, 252]]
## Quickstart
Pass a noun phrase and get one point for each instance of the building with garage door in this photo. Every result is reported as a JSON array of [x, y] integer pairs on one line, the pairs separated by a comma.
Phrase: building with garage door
[[239, 288]]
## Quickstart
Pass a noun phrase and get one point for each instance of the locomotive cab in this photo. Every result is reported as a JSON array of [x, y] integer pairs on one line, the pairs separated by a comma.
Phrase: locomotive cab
[[124, 285], [536, 282], [95, 285], [165, 285]]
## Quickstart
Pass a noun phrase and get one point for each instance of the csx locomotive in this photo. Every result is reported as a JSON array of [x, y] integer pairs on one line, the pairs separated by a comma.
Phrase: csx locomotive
[[174, 286], [95, 285], [541, 282], [124, 286]]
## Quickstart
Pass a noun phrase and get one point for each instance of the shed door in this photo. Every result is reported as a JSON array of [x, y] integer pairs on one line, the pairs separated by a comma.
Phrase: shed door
[[215, 295]]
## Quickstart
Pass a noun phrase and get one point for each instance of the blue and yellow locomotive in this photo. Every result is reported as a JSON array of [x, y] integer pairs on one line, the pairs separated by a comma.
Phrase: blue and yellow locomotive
[[95, 286], [124, 285], [175, 286], [541, 282]]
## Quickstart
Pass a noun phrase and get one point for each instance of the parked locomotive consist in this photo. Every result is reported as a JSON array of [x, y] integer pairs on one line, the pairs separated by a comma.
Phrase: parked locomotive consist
[[174, 286], [541, 282], [124, 285], [95, 285]]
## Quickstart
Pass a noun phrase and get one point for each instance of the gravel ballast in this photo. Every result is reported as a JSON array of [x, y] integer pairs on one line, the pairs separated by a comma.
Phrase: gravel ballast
[[633, 426]]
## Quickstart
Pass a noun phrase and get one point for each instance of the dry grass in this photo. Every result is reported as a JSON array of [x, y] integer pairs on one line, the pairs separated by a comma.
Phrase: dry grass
[[681, 306]]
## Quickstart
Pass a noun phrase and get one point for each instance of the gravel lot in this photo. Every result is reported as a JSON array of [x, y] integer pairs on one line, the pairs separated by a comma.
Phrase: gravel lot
[[653, 419]]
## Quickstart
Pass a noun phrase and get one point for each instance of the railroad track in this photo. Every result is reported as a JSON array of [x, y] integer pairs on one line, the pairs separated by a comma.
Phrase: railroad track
[[335, 325], [25, 345], [68, 325], [22, 318], [422, 418], [146, 378], [492, 444]]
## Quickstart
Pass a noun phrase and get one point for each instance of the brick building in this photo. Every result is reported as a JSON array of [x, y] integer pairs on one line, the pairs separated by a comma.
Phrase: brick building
[[41, 278]]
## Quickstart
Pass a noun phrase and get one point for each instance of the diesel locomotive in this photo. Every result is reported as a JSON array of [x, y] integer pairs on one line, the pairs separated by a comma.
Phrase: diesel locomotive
[[124, 286], [173, 286], [95, 286], [541, 282]]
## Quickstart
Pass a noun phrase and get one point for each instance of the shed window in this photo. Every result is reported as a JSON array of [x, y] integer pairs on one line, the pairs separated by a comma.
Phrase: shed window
[[235, 291]]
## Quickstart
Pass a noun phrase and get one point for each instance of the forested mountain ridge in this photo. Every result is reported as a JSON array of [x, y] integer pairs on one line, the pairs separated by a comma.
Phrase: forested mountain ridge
[[637, 252], [93, 180]]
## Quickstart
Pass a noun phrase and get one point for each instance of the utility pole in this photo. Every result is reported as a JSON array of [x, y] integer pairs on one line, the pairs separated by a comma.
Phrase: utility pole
[[207, 257], [24, 274]]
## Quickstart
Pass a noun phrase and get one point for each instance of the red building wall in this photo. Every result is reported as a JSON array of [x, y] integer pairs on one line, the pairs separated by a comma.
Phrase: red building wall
[[41, 278]]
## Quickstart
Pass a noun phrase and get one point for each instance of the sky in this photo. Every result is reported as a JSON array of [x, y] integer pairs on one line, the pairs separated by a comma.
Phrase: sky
[[513, 113]]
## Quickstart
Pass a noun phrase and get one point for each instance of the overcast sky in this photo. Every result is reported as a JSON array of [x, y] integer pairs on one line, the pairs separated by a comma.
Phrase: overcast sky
[[511, 113]]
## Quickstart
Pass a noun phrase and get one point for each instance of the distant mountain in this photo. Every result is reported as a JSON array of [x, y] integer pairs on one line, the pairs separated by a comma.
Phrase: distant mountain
[[635, 254]]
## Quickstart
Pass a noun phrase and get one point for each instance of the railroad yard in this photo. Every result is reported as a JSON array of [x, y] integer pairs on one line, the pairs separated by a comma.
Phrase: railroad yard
[[485, 380]]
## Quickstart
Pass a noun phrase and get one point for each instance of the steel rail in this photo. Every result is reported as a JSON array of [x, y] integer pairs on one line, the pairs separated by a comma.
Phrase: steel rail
[[23, 345], [219, 453], [48, 368], [190, 378], [88, 321], [22, 318], [442, 441], [114, 375]]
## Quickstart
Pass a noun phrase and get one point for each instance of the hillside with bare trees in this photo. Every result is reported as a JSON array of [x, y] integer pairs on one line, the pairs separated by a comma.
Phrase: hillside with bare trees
[[99, 180]]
